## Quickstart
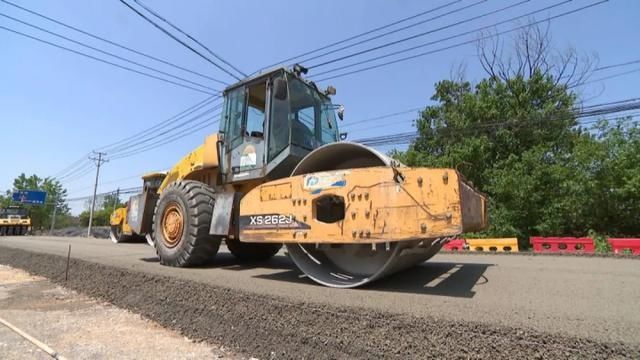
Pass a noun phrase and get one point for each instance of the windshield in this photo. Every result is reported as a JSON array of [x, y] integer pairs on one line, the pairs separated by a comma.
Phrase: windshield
[[13, 211], [313, 121]]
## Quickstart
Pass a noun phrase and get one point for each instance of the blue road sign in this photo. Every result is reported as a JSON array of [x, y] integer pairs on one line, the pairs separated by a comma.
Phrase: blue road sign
[[35, 197]]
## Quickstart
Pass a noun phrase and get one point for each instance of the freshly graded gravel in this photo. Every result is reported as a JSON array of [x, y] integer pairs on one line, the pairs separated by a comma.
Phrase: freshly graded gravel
[[271, 327]]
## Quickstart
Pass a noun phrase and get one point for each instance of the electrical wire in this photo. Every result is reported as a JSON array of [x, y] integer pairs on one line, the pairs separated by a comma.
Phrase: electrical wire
[[617, 65], [167, 132], [107, 53], [155, 13], [408, 38], [102, 60], [592, 111], [450, 46], [166, 62], [466, 7], [151, 132], [362, 34], [168, 33], [174, 138]]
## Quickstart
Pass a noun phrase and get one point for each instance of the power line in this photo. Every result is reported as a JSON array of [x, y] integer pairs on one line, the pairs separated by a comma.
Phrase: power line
[[33, 12], [450, 46], [466, 7], [617, 65], [610, 77], [364, 33], [174, 138], [141, 135], [154, 13], [399, 41], [441, 40], [591, 111], [178, 40], [383, 116], [73, 165], [78, 171], [102, 60], [107, 53], [168, 131]]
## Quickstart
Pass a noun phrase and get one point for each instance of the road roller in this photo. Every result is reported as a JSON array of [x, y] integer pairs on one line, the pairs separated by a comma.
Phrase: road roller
[[278, 173], [14, 220]]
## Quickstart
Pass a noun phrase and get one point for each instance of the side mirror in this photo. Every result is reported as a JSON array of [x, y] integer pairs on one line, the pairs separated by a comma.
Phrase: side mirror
[[341, 112], [280, 90]]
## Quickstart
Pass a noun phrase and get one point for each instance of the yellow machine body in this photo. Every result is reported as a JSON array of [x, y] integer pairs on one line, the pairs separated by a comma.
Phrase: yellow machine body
[[277, 173], [366, 205], [201, 164], [14, 224], [119, 218]]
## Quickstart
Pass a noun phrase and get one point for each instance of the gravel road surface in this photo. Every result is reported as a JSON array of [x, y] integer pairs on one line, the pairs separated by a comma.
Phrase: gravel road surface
[[452, 306]]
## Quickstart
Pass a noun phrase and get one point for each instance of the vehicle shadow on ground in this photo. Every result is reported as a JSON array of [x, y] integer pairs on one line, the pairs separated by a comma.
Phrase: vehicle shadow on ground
[[430, 278]]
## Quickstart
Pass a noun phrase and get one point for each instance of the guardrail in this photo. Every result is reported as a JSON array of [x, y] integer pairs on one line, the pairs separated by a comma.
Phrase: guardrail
[[562, 244], [622, 246], [455, 245], [495, 245], [625, 245]]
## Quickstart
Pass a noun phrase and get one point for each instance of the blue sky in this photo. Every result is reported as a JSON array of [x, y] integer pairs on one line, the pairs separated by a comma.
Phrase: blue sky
[[56, 106]]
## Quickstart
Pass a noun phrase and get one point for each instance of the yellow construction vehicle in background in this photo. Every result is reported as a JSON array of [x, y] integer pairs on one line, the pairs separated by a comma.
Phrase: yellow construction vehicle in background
[[277, 173], [14, 220], [120, 230]]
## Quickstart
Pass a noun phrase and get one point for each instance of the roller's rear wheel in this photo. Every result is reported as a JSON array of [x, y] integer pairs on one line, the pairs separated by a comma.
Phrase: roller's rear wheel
[[352, 265], [3, 231], [252, 251], [181, 224]]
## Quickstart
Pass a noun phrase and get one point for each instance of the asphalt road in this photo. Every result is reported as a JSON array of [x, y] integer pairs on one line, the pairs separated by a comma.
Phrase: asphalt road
[[590, 297]]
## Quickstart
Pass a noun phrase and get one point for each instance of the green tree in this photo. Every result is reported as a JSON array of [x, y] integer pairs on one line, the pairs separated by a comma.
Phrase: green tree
[[510, 138], [41, 215], [104, 207]]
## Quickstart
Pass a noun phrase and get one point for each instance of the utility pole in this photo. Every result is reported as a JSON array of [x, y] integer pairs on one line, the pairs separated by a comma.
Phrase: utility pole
[[98, 158], [116, 200], [53, 218]]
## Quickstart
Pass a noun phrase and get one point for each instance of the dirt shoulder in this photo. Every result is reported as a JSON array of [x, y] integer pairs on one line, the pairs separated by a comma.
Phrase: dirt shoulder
[[78, 327]]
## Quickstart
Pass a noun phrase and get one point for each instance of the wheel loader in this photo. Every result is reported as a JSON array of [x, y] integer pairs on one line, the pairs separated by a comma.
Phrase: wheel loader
[[277, 173], [14, 220], [120, 230]]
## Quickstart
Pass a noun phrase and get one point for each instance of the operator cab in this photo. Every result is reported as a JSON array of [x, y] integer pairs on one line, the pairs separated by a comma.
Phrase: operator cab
[[151, 182], [14, 212], [269, 123]]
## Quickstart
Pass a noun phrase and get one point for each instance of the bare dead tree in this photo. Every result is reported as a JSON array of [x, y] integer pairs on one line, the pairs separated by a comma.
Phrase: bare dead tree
[[531, 50]]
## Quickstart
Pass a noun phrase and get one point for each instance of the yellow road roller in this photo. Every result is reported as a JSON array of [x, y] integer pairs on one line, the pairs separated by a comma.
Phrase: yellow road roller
[[277, 173], [14, 220]]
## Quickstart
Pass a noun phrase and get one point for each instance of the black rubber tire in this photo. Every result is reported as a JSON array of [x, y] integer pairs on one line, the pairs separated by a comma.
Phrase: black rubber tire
[[196, 246], [3, 230], [13, 230], [252, 251]]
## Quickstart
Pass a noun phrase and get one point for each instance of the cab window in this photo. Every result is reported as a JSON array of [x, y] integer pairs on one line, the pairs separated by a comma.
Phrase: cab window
[[234, 114], [256, 105]]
